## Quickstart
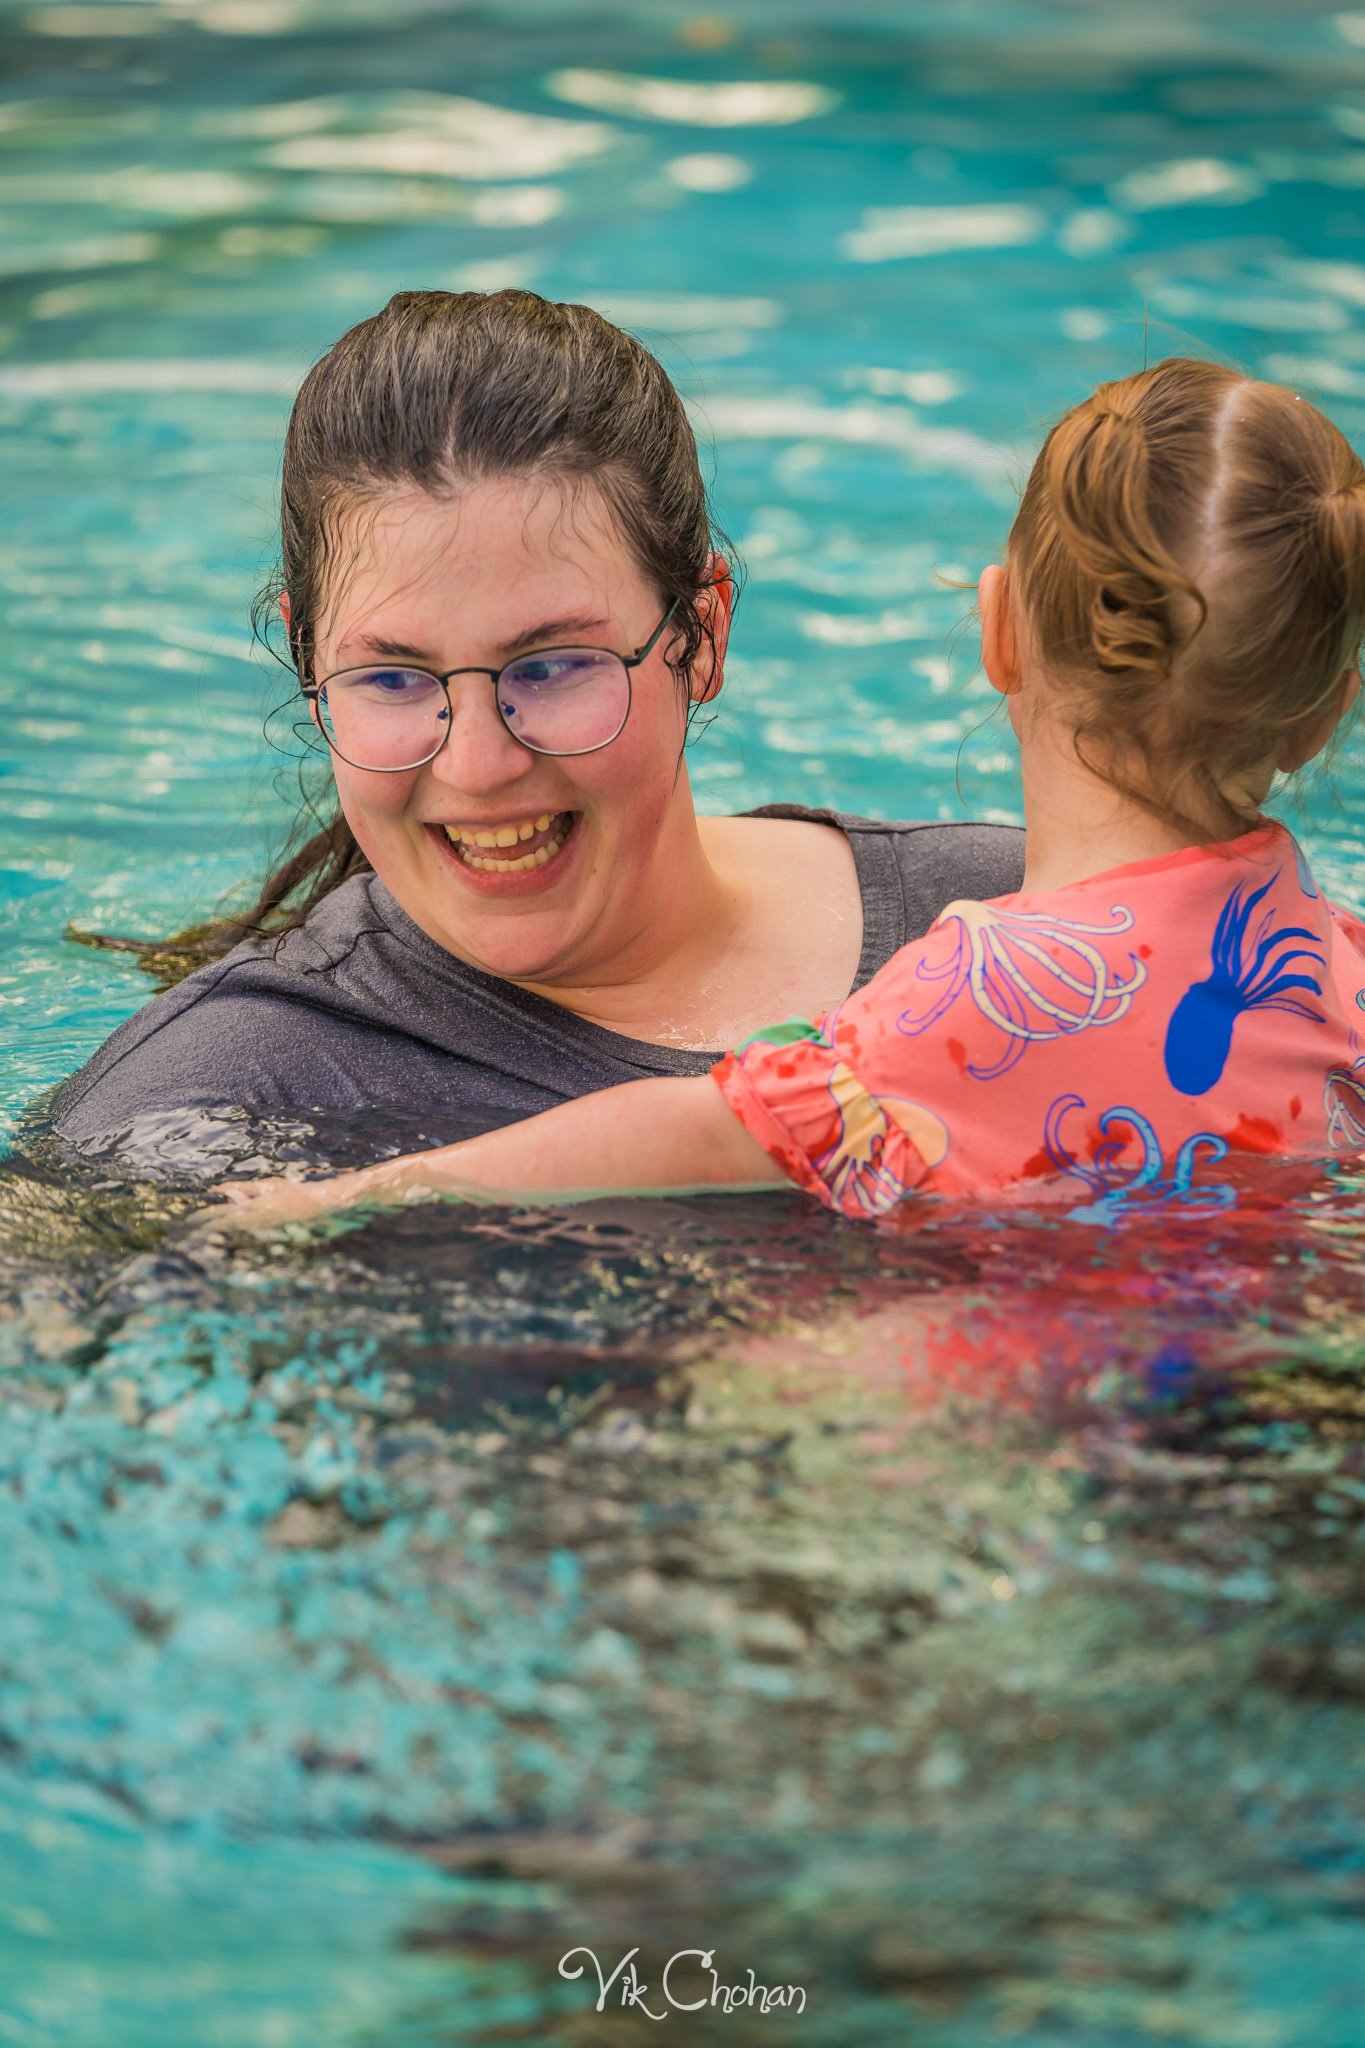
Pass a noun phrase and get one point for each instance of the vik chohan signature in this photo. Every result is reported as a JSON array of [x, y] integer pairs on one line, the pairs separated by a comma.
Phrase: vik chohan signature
[[688, 1984]]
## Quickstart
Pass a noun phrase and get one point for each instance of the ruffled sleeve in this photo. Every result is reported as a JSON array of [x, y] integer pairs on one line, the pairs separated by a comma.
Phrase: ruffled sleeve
[[795, 1090]]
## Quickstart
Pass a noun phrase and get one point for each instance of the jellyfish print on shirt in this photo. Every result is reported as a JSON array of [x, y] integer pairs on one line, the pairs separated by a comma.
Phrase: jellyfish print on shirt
[[1030, 974], [1343, 1098], [1306, 881], [856, 1167], [1249, 973], [864, 1135]]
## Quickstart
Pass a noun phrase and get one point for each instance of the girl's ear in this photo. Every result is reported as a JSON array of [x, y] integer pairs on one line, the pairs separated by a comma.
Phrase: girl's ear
[[1310, 741], [999, 641], [284, 608], [715, 603]]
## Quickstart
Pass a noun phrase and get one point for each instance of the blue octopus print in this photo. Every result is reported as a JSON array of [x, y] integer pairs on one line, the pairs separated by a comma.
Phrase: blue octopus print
[[1248, 974], [1119, 1188], [1032, 975]]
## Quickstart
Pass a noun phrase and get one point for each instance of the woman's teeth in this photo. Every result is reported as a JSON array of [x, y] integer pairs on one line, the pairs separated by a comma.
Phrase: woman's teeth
[[497, 837]]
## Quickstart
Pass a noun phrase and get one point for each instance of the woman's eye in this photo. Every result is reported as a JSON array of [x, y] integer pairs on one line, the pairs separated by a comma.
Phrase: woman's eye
[[395, 682], [550, 668]]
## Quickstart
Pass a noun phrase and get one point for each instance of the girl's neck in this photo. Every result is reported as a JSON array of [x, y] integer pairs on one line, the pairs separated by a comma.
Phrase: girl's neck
[[1078, 825]]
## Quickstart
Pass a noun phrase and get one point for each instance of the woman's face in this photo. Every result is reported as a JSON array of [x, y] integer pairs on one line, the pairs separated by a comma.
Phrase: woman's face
[[470, 581]]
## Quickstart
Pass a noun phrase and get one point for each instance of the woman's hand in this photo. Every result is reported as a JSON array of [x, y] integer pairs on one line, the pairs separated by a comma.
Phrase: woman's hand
[[410, 1179], [280, 1200]]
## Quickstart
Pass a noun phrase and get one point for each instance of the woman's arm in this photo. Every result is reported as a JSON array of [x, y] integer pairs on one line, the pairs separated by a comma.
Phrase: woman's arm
[[643, 1135]]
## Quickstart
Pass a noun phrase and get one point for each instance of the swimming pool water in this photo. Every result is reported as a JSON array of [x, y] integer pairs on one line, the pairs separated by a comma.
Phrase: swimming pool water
[[963, 1625]]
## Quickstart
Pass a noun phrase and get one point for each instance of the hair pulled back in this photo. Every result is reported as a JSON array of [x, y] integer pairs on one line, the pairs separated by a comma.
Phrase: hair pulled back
[[1189, 553], [446, 389], [443, 390]]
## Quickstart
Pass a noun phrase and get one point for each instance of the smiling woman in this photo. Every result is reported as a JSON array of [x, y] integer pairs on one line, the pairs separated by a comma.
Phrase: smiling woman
[[503, 599]]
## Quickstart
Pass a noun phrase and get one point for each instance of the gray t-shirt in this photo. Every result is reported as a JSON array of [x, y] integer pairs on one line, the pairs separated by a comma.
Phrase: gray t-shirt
[[357, 1034]]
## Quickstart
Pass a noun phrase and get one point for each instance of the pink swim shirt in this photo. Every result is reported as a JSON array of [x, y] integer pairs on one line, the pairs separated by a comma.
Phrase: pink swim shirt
[[1128, 1032]]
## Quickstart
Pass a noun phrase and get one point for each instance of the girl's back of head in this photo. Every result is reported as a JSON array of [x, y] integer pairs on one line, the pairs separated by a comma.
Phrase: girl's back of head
[[1189, 556]]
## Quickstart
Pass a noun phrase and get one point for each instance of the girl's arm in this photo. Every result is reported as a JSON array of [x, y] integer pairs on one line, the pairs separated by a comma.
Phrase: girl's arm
[[643, 1135]]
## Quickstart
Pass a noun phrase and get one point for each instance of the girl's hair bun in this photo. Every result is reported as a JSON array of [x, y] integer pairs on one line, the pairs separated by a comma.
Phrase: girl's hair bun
[[1341, 517], [1096, 472]]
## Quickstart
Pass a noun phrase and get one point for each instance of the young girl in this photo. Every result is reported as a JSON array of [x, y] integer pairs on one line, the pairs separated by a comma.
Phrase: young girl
[[1177, 622]]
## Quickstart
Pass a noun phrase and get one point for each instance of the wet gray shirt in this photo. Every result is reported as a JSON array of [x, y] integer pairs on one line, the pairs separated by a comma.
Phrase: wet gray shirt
[[359, 1011]]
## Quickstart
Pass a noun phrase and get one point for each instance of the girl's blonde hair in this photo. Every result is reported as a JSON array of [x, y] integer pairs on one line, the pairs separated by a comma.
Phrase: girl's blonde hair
[[1189, 554]]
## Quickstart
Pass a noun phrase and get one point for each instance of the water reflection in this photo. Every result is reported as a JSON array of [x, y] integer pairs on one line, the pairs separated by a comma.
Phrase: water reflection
[[947, 1609], [749, 103]]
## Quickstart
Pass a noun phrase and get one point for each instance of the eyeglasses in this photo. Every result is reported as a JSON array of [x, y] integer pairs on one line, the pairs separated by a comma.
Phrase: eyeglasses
[[558, 700]]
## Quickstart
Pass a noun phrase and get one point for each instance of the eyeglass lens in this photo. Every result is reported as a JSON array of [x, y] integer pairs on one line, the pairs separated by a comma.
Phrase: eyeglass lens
[[564, 700]]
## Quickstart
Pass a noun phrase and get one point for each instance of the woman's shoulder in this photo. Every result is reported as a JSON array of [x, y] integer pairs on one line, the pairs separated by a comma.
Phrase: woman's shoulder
[[247, 1030], [957, 842], [266, 965], [909, 869]]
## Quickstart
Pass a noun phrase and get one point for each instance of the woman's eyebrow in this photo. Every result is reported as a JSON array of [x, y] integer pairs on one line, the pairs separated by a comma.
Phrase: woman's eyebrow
[[547, 630], [543, 633], [375, 643]]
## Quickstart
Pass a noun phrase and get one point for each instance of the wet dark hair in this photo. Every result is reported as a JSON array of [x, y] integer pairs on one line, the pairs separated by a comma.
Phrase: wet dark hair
[[443, 390]]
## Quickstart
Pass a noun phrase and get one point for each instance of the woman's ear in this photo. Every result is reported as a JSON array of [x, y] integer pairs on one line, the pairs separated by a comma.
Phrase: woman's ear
[[999, 640], [1310, 740], [313, 711], [715, 604]]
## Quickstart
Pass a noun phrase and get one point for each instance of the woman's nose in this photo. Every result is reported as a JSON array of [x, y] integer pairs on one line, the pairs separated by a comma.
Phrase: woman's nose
[[480, 754]]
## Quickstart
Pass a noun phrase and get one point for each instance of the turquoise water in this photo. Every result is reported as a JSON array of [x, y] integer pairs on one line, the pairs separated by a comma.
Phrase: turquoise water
[[963, 1626]]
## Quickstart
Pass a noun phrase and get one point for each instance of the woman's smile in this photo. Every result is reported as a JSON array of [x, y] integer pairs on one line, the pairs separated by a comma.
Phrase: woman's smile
[[508, 856]]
